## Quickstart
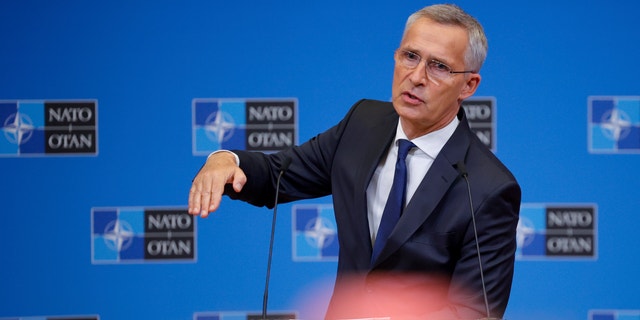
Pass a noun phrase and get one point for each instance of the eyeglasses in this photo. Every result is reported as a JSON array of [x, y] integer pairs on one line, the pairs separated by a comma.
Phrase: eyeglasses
[[434, 68]]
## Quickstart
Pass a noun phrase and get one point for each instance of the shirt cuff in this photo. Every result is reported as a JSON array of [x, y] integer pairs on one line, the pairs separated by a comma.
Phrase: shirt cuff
[[233, 153]]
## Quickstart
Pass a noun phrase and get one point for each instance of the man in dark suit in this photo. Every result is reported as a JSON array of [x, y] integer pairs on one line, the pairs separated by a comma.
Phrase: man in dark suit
[[428, 267]]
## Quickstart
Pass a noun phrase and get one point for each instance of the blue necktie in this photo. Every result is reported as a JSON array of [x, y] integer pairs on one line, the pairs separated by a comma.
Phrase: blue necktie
[[395, 202]]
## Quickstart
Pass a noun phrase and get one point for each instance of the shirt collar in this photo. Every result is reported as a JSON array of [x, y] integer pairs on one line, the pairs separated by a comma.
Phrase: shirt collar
[[431, 143]]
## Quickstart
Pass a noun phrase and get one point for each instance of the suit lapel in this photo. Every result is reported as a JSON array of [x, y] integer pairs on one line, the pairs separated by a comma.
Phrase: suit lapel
[[431, 190], [376, 146]]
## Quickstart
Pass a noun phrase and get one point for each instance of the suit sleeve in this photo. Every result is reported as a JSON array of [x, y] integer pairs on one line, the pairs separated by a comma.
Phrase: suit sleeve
[[496, 220]]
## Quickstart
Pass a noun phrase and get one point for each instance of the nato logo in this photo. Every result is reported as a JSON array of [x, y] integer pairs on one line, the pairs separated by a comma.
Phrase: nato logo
[[243, 316], [266, 125], [550, 231], [315, 236], [36, 128], [614, 315], [481, 115], [137, 235], [614, 124]]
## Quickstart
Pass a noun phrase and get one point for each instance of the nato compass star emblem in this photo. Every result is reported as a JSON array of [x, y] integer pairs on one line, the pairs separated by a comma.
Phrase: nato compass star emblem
[[315, 236], [320, 232], [18, 128], [616, 124], [118, 235], [219, 126], [525, 232]]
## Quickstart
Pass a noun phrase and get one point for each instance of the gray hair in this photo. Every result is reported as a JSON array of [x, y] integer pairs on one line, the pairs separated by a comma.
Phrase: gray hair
[[450, 14]]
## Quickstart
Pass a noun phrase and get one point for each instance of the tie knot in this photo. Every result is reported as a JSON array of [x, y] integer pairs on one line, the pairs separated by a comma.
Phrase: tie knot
[[404, 146]]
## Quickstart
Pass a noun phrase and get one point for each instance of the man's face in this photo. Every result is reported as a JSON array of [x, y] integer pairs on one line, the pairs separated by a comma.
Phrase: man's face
[[426, 103]]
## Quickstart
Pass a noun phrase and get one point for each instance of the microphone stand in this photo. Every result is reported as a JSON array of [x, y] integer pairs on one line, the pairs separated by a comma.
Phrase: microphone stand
[[265, 298]]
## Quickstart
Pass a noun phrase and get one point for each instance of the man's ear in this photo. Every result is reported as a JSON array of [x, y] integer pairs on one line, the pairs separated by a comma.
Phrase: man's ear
[[470, 86]]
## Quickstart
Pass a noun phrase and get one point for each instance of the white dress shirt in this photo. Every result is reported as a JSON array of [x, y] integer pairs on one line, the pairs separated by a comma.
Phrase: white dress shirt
[[418, 162]]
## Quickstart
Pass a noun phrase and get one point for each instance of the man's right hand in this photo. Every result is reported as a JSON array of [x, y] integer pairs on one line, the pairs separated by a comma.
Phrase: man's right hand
[[208, 186]]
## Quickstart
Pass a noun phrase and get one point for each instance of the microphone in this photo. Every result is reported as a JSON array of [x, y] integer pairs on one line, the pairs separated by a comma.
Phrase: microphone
[[283, 168], [465, 175]]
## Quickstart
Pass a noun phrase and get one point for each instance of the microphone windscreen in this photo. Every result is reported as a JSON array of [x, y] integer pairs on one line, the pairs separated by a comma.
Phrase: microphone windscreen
[[285, 164]]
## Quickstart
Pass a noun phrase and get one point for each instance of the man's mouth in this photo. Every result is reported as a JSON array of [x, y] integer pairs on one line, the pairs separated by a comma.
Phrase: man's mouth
[[410, 98]]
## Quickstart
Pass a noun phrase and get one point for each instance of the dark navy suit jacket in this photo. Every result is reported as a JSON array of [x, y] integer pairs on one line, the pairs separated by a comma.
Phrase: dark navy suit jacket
[[431, 254]]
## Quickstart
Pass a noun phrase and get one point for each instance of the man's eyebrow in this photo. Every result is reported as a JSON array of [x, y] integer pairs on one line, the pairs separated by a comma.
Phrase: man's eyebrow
[[427, 57], [438, 59]]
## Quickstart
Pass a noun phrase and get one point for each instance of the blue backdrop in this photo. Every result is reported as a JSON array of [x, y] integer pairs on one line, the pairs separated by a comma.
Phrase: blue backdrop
[[144, 63]]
